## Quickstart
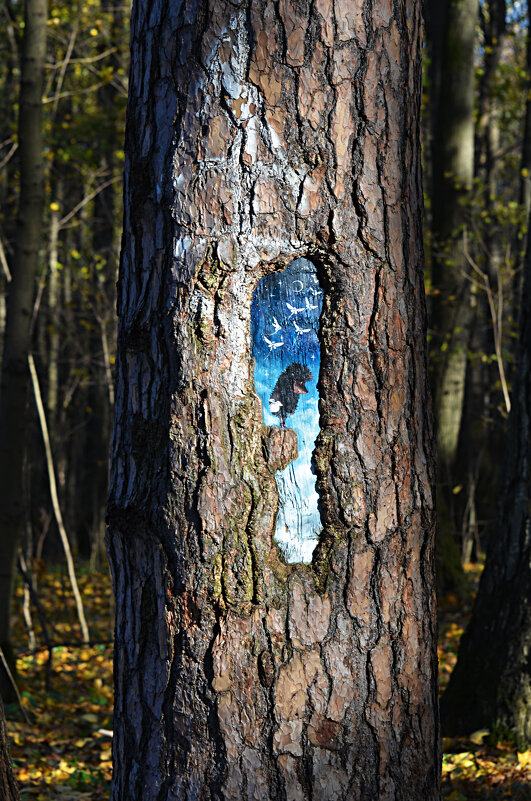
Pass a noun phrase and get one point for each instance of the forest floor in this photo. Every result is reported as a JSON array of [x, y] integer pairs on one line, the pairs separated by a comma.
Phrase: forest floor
[[486, 766], [61, 736]]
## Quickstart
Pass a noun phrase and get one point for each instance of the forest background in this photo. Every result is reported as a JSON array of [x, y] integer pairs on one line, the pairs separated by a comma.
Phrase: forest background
[[477, 180]]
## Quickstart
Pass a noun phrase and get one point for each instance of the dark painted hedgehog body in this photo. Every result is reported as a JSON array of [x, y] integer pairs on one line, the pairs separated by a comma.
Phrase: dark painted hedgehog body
[[285, 395]]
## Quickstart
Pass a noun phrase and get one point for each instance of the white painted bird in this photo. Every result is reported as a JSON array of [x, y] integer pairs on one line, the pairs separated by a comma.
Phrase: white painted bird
[[309, 306], [293, 310], [276, 325], [272, 345], [316, 291], [274, 405], [300, 330]]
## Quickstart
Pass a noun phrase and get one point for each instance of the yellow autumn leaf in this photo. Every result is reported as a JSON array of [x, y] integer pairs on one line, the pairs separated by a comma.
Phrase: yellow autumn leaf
[[81, 742], [65, 767], [477, 737], [524, 758], [464, 760]]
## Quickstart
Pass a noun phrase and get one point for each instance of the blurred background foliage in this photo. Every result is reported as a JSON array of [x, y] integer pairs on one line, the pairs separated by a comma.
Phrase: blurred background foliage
[[73, 340]]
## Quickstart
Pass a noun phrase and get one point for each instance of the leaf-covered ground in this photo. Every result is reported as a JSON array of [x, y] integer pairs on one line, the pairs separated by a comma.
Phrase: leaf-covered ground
[[62, 751], [485, 766]]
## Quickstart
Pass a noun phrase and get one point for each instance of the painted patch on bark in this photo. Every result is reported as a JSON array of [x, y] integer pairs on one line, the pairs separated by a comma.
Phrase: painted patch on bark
[[285, 315]]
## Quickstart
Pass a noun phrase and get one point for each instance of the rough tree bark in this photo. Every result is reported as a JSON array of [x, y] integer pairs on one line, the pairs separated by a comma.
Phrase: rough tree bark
[[8, 783], [259, 132], [15, 375], [491, 682]]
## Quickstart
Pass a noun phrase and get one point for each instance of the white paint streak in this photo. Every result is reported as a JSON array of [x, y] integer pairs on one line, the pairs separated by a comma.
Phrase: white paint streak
[[251, 142]]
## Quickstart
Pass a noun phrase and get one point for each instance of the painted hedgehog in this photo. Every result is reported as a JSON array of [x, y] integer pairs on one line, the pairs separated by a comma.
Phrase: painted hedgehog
[[285, 396]]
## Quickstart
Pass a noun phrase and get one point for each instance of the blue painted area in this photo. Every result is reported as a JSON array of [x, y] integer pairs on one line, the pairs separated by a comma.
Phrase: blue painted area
[[285, 313]]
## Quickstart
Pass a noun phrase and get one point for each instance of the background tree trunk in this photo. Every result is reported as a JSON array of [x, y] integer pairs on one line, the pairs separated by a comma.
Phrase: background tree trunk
[[434, 28], [15, 376], [472, 469], [258, 134], [525, 172], [451, 318], [452, 180], [491, 683]]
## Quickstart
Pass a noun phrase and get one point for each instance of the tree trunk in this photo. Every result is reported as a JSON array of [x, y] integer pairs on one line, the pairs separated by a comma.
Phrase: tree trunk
[[54, 322], [520, 245], [106, 222], [452, 175], [8, 784], [452, 180], [473, 471], [258, 134], [493, 18], [15, 376], [434, 23], [525, 173], [491, 682]]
